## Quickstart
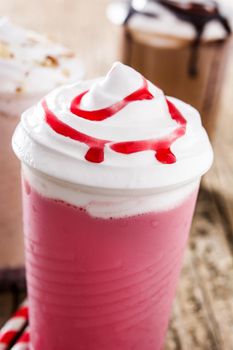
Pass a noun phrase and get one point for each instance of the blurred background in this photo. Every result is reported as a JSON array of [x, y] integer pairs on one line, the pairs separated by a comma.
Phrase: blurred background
[[203, 310], [81, 25]]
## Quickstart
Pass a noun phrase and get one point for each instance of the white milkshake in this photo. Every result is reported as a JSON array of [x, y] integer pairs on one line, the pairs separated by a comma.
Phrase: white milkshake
[[30, 66]]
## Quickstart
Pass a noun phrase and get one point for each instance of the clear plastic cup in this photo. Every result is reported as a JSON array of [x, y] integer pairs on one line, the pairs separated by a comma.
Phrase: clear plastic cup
[[102, 274]]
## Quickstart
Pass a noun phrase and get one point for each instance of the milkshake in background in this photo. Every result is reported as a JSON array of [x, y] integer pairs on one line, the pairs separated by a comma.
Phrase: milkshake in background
[[182, 46], [30, 66], [111, 170]]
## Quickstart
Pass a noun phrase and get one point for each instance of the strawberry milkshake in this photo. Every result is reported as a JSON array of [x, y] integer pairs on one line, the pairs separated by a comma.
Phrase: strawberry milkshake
[[110, 175], [30, 66]]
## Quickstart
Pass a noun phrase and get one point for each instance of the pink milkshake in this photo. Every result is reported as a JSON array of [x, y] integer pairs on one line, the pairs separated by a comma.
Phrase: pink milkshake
[[108, 197]]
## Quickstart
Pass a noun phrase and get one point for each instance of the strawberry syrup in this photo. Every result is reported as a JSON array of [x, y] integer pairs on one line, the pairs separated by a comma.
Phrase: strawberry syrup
[[95, 154]]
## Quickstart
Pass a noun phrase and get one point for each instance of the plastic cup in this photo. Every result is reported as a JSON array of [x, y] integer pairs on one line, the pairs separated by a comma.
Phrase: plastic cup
[[102, 281]]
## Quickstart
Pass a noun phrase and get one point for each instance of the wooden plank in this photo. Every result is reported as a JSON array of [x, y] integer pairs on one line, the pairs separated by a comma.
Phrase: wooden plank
[[190, 327], [213, 263], [211, 250]]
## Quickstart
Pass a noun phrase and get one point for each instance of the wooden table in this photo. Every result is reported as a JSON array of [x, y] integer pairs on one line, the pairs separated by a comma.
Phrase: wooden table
[[203, 309]]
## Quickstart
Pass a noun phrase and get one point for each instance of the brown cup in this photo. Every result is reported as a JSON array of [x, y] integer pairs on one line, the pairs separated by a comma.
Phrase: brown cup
[[167, 67]]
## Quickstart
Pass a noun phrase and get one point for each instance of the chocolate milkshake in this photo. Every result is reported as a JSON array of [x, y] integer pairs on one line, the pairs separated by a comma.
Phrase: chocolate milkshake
[[111, 170], [30, 66], [182, 46]]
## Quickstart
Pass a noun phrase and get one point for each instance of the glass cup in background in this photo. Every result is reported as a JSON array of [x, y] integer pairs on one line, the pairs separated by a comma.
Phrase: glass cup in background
[[166, 64], [27, 71], [12, 274], [11, 243], [163, 45], [102, 274]]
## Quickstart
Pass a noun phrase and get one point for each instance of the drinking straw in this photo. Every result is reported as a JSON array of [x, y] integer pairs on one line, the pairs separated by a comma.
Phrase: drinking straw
[[23, 342], [12, 328]]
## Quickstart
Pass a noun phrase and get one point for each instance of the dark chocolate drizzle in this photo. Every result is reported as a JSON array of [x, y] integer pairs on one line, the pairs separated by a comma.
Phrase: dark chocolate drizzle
[[197, 14]]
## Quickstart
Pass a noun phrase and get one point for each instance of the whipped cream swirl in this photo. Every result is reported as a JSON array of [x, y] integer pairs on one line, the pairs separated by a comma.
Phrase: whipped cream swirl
[[31, 64], [117, 132]]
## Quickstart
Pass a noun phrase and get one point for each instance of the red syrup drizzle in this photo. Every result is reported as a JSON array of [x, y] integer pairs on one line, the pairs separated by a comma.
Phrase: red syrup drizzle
[[95, 153], [100, 114], [96, 146], [162, 146]]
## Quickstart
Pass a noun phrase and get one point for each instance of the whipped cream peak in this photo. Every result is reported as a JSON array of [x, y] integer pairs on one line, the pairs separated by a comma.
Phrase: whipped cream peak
[[126, 135], [119, 82], [120, 85], [110, 89]]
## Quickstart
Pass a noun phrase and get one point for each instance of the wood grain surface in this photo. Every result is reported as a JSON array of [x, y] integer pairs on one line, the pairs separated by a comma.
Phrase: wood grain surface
[[203, 309]]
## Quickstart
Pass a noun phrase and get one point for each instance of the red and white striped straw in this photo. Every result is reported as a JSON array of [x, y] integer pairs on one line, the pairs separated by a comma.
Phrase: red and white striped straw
[[23, 342], [13, 326]]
